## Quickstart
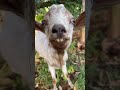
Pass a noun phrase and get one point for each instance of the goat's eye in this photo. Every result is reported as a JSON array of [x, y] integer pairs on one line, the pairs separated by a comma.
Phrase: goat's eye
[[72, 21], [44, 23]]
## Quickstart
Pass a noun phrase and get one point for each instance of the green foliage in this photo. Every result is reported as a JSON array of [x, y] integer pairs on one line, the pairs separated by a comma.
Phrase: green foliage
[[80, 83], [73, 46], [42, 7], [42, 11], [44, 76], [74, 7]]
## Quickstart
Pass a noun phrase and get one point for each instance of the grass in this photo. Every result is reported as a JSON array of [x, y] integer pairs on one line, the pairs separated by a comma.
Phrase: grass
[[75, 66]]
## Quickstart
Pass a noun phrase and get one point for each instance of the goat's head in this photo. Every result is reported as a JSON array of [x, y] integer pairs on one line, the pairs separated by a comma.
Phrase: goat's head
[[59, 23]]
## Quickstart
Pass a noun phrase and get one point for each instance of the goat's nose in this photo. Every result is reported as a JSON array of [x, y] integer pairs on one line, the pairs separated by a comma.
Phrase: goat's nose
[[58, 28]]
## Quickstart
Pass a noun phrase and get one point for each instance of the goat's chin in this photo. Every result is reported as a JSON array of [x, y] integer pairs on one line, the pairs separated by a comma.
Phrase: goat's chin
[[60, 44]]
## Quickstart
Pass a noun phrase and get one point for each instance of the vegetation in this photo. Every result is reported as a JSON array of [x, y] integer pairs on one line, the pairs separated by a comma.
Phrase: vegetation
[[42, 7]]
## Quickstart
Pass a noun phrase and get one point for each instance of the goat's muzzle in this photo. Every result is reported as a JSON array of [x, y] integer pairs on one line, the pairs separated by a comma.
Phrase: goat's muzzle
[[60, 44], [59, 30], [59, 40]]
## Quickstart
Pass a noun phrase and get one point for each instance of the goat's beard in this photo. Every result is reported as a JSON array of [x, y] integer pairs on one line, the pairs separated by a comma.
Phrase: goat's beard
[[60, 46]]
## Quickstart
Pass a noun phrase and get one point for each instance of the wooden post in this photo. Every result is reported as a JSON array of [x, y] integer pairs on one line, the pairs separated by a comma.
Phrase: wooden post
[[115, 25], [83, 5], [82, 34], [82, 29]]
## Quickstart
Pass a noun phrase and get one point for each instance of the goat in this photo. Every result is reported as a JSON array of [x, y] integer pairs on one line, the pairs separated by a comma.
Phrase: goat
[[52, 44]]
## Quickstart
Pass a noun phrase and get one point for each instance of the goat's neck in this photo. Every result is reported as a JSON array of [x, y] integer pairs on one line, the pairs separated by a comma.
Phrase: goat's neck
[[60, 54]]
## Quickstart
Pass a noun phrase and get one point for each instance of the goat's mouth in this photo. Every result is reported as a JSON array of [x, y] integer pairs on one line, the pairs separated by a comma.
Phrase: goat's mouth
[[60, 43], [60, 40]]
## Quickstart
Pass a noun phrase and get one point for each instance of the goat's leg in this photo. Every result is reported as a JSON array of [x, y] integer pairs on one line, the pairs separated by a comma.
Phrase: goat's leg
[[52, 71], [64, 70]]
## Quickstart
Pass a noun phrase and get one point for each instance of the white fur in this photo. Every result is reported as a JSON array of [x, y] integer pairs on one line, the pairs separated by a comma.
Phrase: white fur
[[59, 16]]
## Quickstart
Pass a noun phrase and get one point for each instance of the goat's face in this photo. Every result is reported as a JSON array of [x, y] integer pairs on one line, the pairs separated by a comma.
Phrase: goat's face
[[59, 24]]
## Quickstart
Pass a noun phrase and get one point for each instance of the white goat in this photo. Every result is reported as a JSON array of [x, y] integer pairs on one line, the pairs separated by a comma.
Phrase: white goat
[[52, 44]]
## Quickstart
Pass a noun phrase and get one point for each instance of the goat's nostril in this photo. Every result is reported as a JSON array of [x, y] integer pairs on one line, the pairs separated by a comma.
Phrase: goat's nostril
[[54, 31], [63, 30]]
